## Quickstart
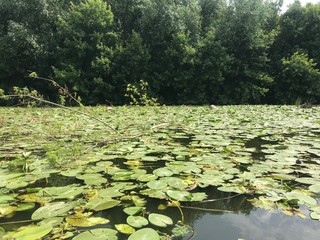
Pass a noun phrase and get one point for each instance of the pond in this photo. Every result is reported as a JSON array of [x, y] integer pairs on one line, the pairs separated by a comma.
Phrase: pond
[[235, 172]]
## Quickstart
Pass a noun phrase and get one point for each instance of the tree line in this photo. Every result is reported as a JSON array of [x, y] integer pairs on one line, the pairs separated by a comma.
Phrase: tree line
[[188, 51]]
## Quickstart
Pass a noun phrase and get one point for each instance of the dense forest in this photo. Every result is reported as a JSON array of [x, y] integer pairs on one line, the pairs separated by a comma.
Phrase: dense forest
[[187, 51]]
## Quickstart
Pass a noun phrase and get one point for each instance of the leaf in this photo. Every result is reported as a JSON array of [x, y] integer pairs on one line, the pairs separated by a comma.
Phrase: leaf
[[25, 207], [66, 192], [97, 234], [133, 210], [315, 188], [145, 234], [160, 220], [180, 195], [157, 184], [125, 228], [30, 232], [101, 204], [86, 222], [52, 210], [137, 221]]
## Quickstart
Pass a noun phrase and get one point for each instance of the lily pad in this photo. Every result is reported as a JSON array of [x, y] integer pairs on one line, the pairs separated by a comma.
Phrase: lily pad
[[180, 195], [86, 222], [133, 210], [145, 234], [137, 221], [102, 204], [52, 210], [315, 188], [157, 184], [160, 220], [30, 232], [125, 228], [97, 234]]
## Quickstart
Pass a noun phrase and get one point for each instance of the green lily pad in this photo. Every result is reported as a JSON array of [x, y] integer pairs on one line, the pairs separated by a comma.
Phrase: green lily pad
[[137, 221], [25, 206], [66, 192], [86, 222], [157, 184], [302, 198], [133, 210], [163, 172], [125, 228], [52, 210], [51, 221], [6, 198], [180, 195], [30, 232], [101, 204], [160, 220], [315, 188], [145, 234], [147, 178], [97, 234]]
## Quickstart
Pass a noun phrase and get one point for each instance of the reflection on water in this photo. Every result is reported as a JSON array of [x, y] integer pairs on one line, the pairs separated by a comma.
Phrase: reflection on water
[[259, 224]]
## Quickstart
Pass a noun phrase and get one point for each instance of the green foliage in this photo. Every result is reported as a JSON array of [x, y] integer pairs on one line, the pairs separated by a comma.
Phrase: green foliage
[[299, 80], [191, 52], [87, 45], [138, 94]]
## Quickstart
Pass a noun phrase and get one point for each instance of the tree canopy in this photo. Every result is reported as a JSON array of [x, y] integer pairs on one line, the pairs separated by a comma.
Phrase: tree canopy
[[188, 51]]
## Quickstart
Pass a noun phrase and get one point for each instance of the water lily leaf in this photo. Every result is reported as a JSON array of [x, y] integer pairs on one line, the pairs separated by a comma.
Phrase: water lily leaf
[[198, 197], [52, 210], [180, 195], [137, 221], [157, 184], [133, 210], [125, 228], [163, 172], [6, 210], [86, 222], [25, 206], [97, 234], [145, 234], [147, 178], [315, 188], [306, 180], [6, 198], [160, 194], [102, 204], [175, 182], [66, 192], [315, 216], [236, 189], [160, 220], [51, 221], [110, 193], [302, 197], [30, 232]]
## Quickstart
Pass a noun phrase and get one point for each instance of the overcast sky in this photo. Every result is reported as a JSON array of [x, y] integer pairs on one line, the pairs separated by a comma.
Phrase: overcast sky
[[304, 2]]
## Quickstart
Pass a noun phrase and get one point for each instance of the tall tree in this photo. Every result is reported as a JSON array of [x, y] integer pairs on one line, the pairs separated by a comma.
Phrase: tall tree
[[26, 38], [298, 80], [242, 33], [87, 43]]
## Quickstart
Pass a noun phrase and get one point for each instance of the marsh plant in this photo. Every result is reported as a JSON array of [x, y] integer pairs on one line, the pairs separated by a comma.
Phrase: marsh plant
[[139, 94]]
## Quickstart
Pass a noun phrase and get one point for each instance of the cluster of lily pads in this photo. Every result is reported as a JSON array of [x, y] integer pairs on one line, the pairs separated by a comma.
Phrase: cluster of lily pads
[[62, 170]]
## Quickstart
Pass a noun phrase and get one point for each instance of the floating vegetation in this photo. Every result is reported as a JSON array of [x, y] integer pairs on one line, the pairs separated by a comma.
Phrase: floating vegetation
[[68, 172]]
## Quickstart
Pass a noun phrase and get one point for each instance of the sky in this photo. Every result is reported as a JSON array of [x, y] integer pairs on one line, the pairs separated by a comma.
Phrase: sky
[[303, 2]]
